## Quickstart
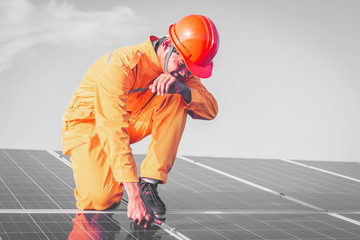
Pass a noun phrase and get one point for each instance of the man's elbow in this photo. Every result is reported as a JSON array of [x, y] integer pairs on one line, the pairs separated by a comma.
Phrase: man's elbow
[[212, 114], [203, 116], [214, 111]]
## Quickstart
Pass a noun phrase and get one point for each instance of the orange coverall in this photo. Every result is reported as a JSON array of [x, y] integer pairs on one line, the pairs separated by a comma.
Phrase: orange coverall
[[112, 108]]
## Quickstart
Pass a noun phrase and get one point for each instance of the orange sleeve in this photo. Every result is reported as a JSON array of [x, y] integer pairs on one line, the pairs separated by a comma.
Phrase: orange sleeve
[[203, 105], [112, 121]]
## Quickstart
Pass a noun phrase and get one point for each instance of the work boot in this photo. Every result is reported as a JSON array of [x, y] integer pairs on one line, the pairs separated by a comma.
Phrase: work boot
[[152, 199]]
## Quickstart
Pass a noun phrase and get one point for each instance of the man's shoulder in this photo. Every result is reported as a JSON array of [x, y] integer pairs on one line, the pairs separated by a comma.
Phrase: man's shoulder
[[125, 53], [129, 53]]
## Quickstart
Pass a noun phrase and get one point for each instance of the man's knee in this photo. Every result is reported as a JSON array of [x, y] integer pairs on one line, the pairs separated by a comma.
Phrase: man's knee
[[173, 105], [175, 99]]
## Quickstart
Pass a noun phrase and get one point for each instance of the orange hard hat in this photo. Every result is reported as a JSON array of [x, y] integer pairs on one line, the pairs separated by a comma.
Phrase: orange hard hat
[[195, 37]]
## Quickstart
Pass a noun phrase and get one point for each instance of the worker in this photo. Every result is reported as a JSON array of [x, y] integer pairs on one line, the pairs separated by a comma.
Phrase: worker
[[128, 94]]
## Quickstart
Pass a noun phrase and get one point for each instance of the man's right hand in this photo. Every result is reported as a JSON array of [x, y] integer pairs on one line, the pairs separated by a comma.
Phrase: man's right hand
[[136, 209]]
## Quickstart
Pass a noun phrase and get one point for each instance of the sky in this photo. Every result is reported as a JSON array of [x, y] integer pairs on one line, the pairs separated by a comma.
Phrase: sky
[[286, 77]]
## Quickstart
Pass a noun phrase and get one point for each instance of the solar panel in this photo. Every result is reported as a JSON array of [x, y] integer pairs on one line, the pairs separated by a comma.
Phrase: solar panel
[[305, 184], [35, 182], [190, 187], [37, 202], [350, 169], [265, 226]]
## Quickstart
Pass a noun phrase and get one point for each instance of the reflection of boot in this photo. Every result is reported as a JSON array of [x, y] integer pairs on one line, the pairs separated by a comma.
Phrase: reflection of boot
[[94, 226], [139, 232]]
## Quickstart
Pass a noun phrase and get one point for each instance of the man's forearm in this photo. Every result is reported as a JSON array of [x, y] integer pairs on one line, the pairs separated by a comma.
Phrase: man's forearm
[[132, 189]]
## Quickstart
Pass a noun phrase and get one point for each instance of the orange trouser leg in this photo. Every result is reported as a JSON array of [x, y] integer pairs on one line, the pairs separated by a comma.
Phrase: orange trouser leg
[[164, 117], [96, 187]]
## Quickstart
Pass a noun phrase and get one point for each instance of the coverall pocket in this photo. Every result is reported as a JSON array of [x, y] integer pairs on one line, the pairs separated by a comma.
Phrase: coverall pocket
[[78, 128], [77, 114]]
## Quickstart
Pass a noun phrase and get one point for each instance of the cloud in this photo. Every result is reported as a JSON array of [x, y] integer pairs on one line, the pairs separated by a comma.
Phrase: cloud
[[24, 26]]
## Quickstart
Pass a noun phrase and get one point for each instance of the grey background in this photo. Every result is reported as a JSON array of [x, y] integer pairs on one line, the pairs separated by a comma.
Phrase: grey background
[[286, 76]]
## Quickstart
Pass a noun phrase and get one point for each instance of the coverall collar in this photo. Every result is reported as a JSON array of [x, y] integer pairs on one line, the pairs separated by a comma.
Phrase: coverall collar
[[150, 52]]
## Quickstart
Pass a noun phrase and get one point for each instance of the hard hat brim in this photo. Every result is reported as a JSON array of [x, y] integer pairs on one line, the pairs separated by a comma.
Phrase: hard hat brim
[[200, 71]]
